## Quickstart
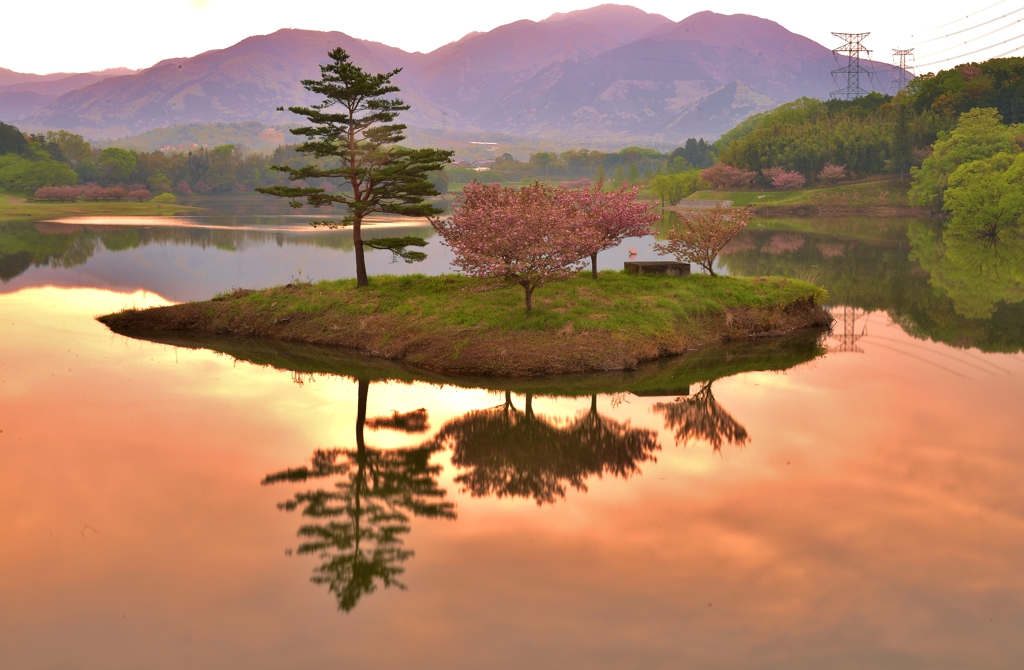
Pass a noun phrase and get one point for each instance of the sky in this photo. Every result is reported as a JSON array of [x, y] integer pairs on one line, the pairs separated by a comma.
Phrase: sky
[[82, 37]]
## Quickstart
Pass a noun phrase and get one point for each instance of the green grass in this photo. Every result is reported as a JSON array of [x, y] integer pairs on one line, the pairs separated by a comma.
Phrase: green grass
[[874, 193], [616, 302]]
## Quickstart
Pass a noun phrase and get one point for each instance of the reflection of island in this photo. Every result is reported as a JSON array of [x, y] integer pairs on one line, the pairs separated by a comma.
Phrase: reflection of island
[[517, 453], [356, 527], [964, 288], [700, 417]]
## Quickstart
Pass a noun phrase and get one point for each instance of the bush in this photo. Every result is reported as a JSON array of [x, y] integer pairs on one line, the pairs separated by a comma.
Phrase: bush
[[166, 199]]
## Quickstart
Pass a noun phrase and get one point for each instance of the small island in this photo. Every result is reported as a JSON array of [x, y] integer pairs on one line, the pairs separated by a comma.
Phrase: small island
[[463, 325]]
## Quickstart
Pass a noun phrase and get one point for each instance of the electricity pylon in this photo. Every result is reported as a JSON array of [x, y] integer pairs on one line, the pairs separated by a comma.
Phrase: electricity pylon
[[899, 77], [852, 49]]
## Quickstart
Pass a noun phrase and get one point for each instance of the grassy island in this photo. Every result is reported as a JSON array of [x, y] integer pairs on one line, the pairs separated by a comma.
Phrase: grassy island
[[460, 325]]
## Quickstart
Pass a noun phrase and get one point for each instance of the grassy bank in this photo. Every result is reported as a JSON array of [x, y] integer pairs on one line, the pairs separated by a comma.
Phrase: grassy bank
[[18, 209], [875, 194], [460, 325]]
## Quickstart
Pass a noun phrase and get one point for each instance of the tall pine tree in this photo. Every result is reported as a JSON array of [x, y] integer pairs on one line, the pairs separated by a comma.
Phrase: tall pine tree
[[354, 125]]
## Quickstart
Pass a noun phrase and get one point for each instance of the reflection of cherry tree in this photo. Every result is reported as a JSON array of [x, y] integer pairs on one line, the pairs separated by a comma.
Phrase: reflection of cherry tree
[[700, 417], [356, 526], [516, 453]]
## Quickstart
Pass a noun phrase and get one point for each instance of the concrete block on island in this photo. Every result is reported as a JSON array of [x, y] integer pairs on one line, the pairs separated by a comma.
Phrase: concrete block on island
[[670, 268]]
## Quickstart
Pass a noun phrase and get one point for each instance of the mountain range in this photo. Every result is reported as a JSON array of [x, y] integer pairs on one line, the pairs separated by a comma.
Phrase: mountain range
[[604, 77]]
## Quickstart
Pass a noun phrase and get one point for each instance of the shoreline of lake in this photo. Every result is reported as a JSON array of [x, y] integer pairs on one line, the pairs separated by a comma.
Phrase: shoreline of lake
[[465, 326]]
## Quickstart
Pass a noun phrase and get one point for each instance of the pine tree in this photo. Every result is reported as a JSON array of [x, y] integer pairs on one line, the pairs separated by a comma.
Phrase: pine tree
[[354, 125]]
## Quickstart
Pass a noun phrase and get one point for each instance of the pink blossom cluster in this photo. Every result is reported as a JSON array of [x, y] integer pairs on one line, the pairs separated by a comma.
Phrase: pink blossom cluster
[[783, 179], [58, 193], [539, 233], [832, 173], [118, 192], [579, 183], [701, 236], [183, 188], [615, 215], [724, 177]]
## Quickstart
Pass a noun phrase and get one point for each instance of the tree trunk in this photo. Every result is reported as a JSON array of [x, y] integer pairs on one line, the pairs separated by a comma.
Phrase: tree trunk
[[364, 389], [529, 296], [357, 241], [593, 265]]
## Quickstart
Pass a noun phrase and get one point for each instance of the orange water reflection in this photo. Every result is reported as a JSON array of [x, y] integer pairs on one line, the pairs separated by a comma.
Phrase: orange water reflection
[[871, 518]]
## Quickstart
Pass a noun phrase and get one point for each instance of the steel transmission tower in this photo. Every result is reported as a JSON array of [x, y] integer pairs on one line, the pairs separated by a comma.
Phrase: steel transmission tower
[[899, 77], [852, 49]]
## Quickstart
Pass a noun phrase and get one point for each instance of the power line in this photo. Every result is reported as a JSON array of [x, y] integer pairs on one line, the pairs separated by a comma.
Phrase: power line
[[965, 30], [971, 53], [973, 39], [852, 49], [980, 11]]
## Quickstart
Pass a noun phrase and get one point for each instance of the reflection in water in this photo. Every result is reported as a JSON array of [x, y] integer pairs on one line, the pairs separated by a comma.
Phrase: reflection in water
[[509, 452], [356, 527], [978, 268], [700, 417], [963, 287]]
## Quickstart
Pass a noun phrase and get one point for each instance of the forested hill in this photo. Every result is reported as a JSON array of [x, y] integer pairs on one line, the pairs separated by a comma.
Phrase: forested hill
[[875, 134]]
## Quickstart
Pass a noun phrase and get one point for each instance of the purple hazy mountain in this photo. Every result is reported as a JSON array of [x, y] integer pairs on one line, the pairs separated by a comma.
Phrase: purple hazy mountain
[[603, 76]]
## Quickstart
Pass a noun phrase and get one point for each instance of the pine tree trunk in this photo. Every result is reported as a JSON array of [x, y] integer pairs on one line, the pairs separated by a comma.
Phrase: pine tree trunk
[[364, 388], [357, 241], [593, 265]]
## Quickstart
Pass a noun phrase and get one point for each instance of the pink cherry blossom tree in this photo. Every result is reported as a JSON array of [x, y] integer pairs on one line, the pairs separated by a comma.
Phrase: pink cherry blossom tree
[[613, 216], [700, 236], [783, 179], [724, 177], [832, 173], [529, 236]]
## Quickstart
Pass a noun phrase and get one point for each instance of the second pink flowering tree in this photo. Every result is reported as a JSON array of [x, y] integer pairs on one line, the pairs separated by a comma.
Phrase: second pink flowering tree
[[701, 236], [529, 236], [613, 217]]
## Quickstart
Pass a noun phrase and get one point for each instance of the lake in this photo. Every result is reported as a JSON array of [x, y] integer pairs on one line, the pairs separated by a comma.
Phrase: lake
[[846, 500]]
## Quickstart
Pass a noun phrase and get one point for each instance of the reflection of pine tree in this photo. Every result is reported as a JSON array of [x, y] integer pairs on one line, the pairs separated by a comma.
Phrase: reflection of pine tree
[[357, 526], [700, 417], [508, 452]]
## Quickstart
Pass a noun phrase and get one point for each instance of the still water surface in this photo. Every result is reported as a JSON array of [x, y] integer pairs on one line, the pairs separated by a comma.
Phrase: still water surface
[[850, 502]]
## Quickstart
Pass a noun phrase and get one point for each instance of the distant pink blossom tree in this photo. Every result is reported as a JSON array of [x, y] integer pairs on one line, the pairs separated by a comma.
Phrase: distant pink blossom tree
[[783, 179], [202, 187], [613, 216], [529, 236], [59, 193], [183, 188], [700, 236], [832, 173], [139, 194], [117, 192], [724, 177]]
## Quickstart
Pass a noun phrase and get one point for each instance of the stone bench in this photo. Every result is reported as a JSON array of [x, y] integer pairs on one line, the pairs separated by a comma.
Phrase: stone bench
[[670, 268]]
